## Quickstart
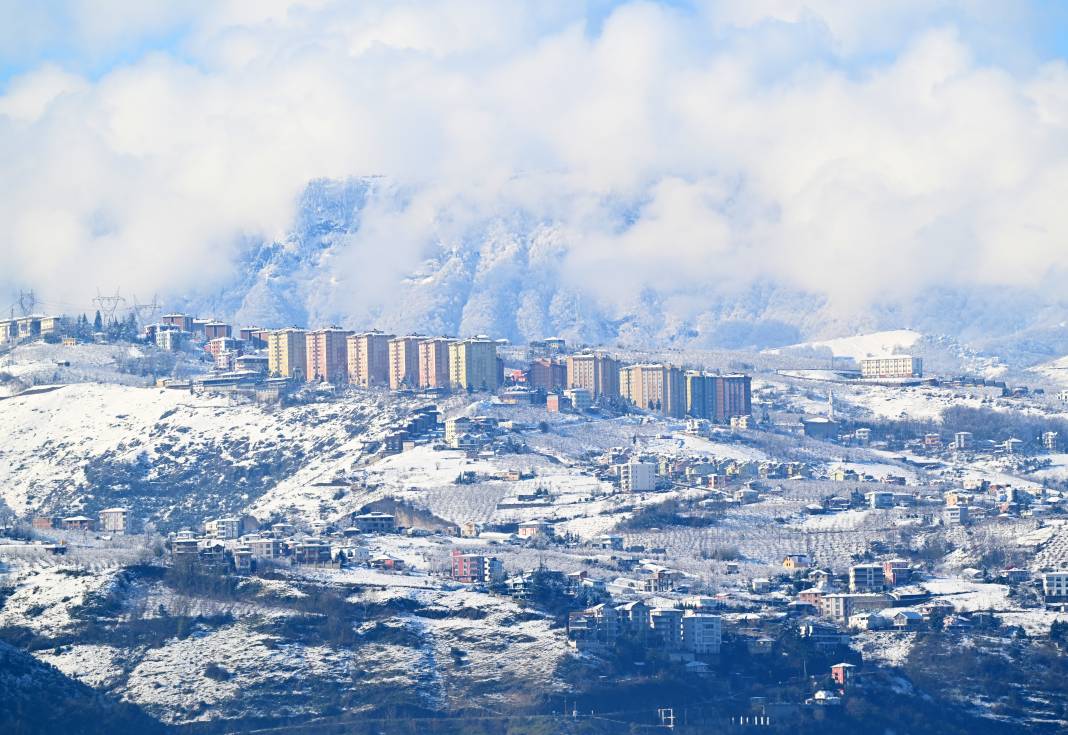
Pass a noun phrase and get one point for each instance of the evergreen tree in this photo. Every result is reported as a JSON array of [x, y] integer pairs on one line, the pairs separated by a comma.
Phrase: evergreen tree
[[98, 322]]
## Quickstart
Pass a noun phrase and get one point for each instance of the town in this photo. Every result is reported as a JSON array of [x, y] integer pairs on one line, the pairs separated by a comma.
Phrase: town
[[658, 519]]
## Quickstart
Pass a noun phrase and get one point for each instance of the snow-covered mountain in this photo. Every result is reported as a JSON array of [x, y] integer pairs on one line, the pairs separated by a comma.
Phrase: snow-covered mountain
[[354, 257]]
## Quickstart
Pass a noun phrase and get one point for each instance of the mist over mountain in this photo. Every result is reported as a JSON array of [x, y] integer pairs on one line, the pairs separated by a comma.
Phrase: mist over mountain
[[511, 272]]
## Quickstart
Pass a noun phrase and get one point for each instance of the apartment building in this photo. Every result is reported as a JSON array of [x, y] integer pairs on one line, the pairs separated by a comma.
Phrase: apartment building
[[702, 632], [434, 363], [368, 359], [666, 624], [218, 345], [580, 398], [403, 362], [700, 394], [223, 528], [734, 396], [475, 568], [169, 339], [893, 366], [637, 477], [182, 321], [866, 578], [596, 372], [216, 329], [654, 387], [1055, 584], [473, 364], [115, 520], [287, 353], [548, 374], [327, 355], [718, 398]]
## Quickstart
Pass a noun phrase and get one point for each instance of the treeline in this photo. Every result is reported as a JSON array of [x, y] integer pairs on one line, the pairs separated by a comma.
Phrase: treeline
[[988, 424], [118, 329]]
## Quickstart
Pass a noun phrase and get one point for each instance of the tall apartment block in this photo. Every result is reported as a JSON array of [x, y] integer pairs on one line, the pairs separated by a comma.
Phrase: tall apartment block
[[328, 355], [596, 372], [403, 362], [473, 364], [368, 357], [700, 394], [734, 396], [718, 397], [287, 353], [182, 321], [659, 388], [547, 374], [434, 363]]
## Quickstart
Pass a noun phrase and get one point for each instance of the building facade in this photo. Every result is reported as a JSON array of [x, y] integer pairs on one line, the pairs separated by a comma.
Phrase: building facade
[[115, 520], [893, 366], [659, 388], [596, 372], [637, 477], [473, 364], [368, 359], [434, 363], [287, 353], [548, 374], [403, 362], [327, 355]]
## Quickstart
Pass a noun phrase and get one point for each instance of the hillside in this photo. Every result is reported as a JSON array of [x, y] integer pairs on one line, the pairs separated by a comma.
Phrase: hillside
[[176, 456]]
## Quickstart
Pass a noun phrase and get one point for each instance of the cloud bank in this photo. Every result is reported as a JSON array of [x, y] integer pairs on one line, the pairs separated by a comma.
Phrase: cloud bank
[[868, 157]]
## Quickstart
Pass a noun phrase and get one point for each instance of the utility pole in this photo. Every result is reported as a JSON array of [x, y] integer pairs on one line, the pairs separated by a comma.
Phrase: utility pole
[[146, 313], [27, 302], [108, 304]]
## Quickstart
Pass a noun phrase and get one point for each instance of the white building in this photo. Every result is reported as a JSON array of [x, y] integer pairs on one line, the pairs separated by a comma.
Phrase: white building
[[456, 426], [115, 520], [581, 399], [637, 477], [880, 499], [666, 623], [1055, 584], [702, 632], [223, 528], [866, 578], [169, 340], [956, 515], [893, 366]]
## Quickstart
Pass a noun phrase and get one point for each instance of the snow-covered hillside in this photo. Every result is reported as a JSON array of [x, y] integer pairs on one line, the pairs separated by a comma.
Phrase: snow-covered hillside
[[862, 346], [39, 363], [176, 456]]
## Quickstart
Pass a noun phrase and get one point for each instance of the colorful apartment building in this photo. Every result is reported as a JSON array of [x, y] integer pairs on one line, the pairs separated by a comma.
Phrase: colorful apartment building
[[327, 355], [368, 359]]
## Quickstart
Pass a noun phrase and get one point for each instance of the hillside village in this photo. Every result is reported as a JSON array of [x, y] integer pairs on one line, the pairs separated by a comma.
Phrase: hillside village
[[425, 525]]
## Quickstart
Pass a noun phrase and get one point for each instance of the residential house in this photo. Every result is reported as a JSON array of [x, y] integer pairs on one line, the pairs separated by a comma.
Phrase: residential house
[[115, 520], [475, 568], [374, 522]]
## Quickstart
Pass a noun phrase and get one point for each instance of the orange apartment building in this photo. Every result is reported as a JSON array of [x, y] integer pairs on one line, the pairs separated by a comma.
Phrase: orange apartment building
[[328, 359], [368, 359]]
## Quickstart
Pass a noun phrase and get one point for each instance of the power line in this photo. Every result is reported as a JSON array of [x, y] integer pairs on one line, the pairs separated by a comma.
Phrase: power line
[[108, 304], [146, 313], [27, 301]]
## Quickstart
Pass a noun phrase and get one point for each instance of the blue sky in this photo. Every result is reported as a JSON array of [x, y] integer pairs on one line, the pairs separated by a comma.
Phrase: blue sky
[[55, 31]]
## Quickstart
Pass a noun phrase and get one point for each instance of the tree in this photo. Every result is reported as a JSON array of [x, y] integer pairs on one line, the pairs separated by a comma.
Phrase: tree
[[98, 322]]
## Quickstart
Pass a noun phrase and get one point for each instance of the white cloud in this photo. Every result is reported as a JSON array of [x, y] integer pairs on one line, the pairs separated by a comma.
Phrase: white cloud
[[859, 182]]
